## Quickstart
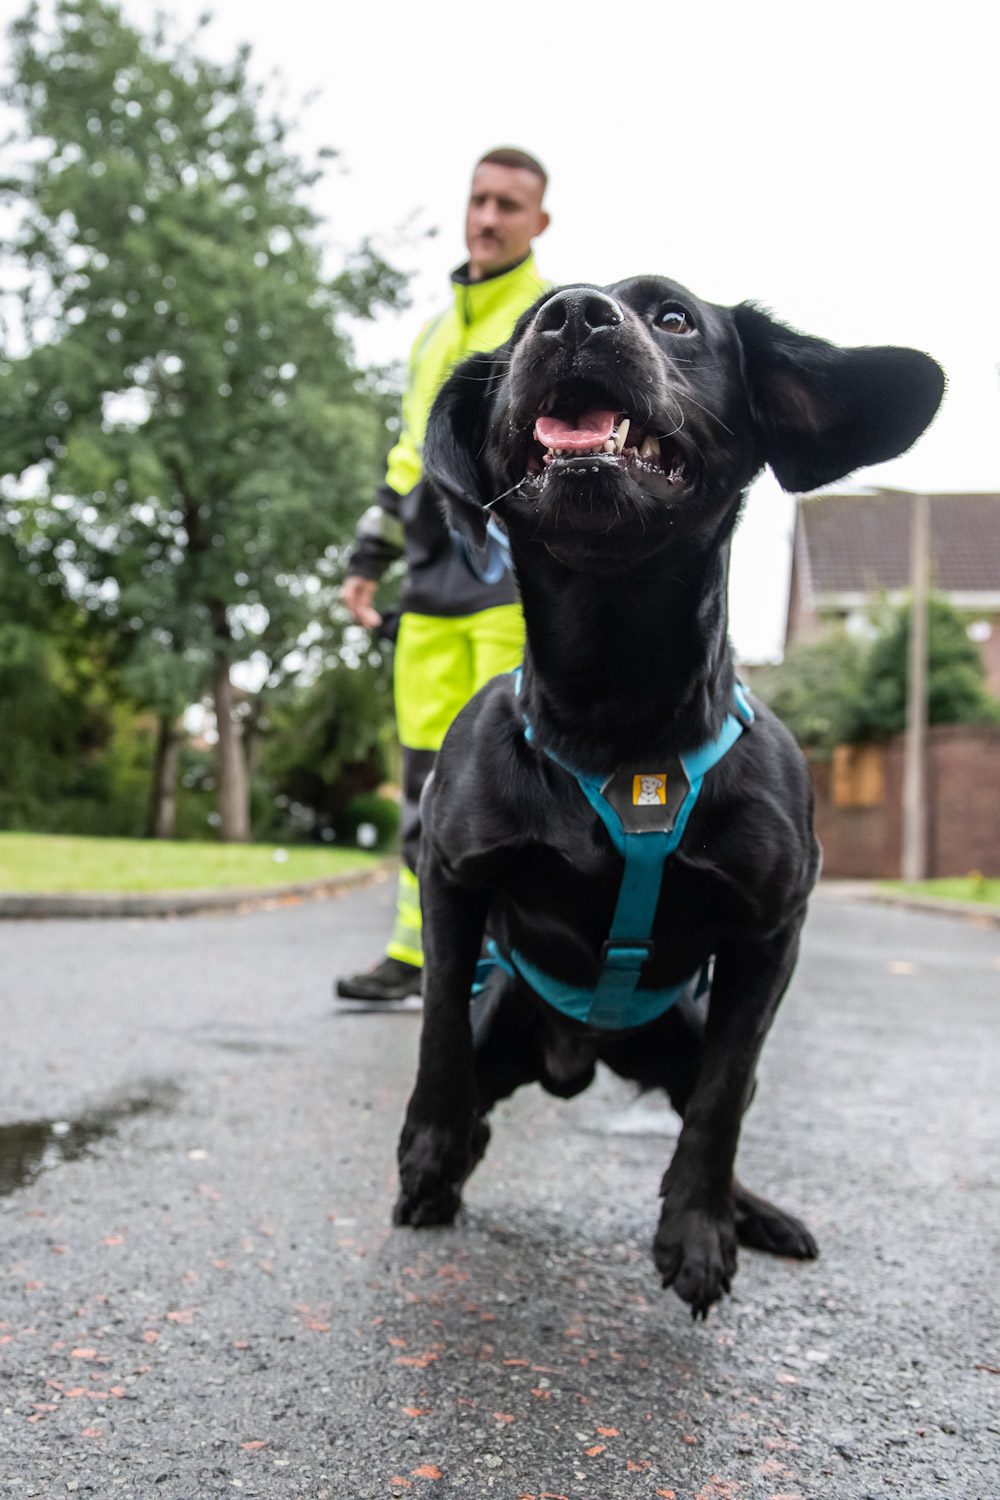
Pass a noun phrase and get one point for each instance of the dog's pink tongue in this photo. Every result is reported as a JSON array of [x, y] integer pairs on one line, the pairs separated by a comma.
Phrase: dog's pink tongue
[[590, 430]]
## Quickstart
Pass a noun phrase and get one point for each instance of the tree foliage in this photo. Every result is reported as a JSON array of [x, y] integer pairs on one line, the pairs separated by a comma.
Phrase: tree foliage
[[180, 397], [841, 690], [55, 695], [328, 744], [814, 691], [956, 676]]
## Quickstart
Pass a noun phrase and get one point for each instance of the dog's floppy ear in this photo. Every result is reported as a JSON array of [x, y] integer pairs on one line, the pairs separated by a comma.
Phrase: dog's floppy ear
[[822, 411], [456, 434]]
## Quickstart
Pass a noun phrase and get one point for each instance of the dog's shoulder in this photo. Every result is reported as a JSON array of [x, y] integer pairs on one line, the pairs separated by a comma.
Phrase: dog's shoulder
[[765, 776], [759, 813], [770, 754], [753, 825], [496, 800], [483, 735], [485, 789]]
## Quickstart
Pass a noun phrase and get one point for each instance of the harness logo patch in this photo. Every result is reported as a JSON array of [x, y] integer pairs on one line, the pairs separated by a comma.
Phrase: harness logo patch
[[649, 790]]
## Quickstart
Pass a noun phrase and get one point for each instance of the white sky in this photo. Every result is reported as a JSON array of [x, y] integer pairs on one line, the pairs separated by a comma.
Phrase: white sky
[[836, 163]]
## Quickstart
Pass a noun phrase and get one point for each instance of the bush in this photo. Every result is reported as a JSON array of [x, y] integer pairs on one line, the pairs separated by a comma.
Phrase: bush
[[838, 690], [956, 676], [381, 812], [328, 747], [814, 691]]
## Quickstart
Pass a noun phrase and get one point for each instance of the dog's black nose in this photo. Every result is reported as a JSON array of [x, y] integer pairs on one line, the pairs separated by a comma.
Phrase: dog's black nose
[[577, 313]]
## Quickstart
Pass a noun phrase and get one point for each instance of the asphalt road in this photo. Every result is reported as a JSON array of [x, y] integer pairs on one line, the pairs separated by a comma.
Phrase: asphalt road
[[202, 1296]]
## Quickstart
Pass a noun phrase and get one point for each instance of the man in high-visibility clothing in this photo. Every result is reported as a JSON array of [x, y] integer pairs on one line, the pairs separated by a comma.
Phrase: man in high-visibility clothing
[[460, 623]]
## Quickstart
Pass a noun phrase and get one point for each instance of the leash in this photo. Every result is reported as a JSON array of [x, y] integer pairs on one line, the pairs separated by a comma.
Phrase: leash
[[490, 563], [645, 814]]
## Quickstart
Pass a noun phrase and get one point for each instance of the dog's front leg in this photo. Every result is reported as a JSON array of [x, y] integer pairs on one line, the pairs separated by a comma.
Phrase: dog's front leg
[[434, 1147], [695, 1244]]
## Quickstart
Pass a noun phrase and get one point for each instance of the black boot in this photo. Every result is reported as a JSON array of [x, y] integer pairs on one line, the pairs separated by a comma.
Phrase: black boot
[[390, 982]]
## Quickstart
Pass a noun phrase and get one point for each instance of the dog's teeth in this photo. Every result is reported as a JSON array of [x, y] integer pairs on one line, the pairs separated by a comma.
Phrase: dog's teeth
[[650, 450], [622, 433], [611, 447]]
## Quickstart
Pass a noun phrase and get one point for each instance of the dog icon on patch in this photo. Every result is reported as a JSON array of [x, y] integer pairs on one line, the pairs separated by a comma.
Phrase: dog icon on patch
[[649, 790]]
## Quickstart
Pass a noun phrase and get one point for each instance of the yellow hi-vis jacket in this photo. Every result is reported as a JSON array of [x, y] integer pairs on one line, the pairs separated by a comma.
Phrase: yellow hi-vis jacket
[[406, 517]]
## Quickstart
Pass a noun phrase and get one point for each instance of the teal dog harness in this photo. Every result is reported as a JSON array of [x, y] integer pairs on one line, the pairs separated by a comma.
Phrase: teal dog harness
[[645, 814]]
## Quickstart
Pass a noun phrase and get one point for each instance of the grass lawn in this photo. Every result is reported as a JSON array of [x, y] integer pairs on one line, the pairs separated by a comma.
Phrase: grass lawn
[[49, 862], [960, 888]]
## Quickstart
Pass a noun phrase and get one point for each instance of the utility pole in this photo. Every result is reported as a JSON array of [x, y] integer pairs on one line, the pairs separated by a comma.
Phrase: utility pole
[[914, 860]]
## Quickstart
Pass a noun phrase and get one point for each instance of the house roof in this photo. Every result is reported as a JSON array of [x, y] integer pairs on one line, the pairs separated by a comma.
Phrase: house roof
[[860, 543]]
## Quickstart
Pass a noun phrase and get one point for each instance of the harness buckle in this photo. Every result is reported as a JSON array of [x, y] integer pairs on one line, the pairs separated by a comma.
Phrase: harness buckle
[[616, 949]]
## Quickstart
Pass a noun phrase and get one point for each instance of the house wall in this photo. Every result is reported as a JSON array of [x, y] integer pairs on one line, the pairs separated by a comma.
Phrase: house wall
[[990, 649], [801, 622], [862, 837]]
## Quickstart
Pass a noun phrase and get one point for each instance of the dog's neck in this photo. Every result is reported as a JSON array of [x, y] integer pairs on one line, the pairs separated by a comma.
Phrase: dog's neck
[[625, 669]]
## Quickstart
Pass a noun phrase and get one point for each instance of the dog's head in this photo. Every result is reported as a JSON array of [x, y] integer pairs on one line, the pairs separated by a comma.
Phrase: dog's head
[[617, 419]]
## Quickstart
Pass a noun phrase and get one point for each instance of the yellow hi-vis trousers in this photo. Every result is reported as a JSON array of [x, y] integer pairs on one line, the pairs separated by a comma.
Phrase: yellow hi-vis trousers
[[439, 663]]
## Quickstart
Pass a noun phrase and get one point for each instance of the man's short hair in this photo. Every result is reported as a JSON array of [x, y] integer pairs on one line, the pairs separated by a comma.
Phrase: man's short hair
[[512, 156]]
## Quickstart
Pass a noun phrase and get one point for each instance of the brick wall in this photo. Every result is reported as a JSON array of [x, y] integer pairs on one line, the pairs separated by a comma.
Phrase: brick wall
[[963, 774]]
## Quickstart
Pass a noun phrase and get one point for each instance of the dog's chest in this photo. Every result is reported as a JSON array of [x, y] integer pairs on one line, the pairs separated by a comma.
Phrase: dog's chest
[[597, 943]]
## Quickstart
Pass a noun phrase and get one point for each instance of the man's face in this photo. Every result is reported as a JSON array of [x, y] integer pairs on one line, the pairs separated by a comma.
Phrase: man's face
[[504, 215]]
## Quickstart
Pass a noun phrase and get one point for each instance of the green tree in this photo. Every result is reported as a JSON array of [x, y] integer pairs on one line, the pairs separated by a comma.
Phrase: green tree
[[330, 743], [183, 395], [839, 690], [814, 691], [956, 676], [55, 710]]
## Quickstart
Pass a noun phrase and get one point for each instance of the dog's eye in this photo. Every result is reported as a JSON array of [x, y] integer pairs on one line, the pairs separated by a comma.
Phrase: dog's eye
[[673, 318]]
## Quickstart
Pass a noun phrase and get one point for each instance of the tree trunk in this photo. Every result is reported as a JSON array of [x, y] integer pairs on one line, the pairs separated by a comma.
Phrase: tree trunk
[[233, 781], [252, 733], [162, 821]]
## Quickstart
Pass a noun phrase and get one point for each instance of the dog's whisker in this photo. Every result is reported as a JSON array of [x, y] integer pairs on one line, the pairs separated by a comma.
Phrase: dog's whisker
[[679, 427], [512, 491], [686, 396]]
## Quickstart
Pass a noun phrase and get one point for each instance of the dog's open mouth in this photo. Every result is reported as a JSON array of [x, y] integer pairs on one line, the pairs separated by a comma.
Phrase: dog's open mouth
[[601, 436]]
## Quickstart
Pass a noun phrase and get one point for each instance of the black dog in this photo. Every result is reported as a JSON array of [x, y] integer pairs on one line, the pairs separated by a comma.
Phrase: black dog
[[616, 434]]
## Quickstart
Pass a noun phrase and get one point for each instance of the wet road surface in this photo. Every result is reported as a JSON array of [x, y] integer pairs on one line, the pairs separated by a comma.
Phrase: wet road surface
[[202, 1296]]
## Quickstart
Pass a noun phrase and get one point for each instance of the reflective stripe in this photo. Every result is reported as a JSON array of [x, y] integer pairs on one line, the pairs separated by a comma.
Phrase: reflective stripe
[[414, 956], [406, 942], [382, 525], [409, 913]]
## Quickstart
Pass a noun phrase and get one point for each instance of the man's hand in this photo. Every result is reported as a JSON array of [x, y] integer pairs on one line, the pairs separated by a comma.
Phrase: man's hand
[[358, 594]]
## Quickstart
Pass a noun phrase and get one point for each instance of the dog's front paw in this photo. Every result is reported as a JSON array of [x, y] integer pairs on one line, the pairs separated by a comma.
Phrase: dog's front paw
[[431, 1172], [695, 1253], [426, 1203]]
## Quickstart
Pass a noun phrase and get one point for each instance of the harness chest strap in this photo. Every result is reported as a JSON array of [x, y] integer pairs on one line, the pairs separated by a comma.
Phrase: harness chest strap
[[645, 815]]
